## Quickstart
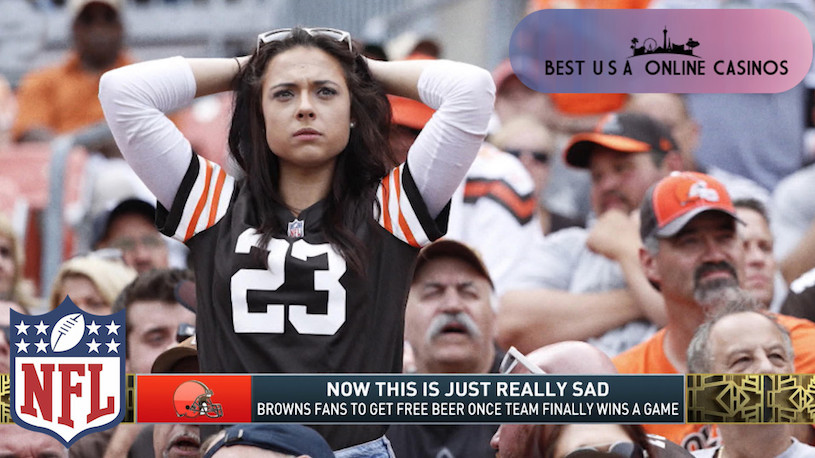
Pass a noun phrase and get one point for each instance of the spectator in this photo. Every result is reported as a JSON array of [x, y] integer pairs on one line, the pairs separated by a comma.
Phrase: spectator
[[530, 141], [62, 99], [154, 316], [693, 255], [276, 441], [800, 300], [5, 334], [13, 287], [18, 442], [761, 276], [93, 283], [568, 189], [493, 209], [171, 440], [792, 217], [304, 258], [672, 110], [587, 283], [527, 441], [739, 341], [130, 227], [449, 324]]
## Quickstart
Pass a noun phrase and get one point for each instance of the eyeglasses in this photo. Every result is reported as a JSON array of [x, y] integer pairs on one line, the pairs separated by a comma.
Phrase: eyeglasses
[[282, 34], [622, 449], [539, 156], [513, 358], [128, 244]]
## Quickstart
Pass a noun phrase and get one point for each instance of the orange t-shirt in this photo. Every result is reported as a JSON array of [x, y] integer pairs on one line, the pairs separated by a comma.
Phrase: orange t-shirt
[[63, 98], [649, 358]]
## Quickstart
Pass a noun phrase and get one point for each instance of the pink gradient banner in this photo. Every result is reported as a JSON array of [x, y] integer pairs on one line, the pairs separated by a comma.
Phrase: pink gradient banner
[[686, 51]]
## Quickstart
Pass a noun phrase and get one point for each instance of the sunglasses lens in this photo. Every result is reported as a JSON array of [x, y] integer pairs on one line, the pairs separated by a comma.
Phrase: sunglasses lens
[[507, 364], [543, 158]]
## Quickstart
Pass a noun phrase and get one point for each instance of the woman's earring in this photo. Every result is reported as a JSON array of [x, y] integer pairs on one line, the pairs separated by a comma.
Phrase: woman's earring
[[353, 124]]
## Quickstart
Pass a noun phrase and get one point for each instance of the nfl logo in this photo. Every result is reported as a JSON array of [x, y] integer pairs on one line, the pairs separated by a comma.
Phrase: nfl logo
[[296, 229], [67, 371]]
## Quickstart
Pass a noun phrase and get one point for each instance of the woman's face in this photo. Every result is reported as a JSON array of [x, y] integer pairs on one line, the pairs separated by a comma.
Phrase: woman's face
[[84, 294], [306, 108], [7, 267]]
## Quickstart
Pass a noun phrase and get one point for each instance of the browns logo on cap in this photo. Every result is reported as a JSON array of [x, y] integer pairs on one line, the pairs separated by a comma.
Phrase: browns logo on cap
[[676, 199]]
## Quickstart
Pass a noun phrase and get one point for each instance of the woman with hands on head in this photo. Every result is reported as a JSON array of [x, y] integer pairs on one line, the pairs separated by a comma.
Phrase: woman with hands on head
[[303, 264]]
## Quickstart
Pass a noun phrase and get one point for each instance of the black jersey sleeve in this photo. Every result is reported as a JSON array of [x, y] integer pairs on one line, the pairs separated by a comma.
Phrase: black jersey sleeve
[[403, 212]]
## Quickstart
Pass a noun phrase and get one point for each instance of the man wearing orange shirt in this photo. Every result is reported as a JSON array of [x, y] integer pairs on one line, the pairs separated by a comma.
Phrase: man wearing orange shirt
[[693, 255], [61, 99]]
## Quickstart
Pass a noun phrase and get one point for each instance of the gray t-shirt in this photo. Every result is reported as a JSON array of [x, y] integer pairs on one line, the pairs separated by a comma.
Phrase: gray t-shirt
[[562, 261]]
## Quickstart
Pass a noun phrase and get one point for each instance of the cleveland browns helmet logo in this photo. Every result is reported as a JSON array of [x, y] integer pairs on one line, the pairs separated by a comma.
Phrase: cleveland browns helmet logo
[[192, 399]]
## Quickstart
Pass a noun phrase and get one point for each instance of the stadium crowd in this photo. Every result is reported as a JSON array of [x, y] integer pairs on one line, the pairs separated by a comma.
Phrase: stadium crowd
[[595, 233]]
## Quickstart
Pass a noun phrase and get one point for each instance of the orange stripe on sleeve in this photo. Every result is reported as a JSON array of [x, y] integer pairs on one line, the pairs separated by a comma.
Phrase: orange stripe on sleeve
[[216, 197], [199, 208], [386, 216], [521, 207], [402, 222]]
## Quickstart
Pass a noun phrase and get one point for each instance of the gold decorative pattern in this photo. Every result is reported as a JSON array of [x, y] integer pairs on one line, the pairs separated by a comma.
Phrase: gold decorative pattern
[[750, 398]]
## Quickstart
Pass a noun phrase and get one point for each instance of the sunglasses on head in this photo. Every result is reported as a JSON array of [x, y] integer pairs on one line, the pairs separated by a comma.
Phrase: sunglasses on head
[[617, 449], [515, 357], [539, 156], [282, 34]]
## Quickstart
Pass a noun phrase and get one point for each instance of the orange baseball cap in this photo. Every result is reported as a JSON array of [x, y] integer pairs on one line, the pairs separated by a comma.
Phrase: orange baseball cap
[[624, 132], [409, 113], [676, 199]]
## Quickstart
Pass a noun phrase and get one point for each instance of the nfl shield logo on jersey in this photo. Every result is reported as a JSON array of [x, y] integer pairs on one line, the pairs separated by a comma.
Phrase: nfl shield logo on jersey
[[67, 371], [296, 229]]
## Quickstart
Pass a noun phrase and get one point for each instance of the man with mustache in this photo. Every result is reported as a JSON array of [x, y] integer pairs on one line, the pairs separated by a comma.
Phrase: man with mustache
[[449, 328], [693, 255], [586, 284]]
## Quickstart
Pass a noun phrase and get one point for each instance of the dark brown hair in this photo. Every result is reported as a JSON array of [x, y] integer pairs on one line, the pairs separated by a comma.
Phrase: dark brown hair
[[360, 166]]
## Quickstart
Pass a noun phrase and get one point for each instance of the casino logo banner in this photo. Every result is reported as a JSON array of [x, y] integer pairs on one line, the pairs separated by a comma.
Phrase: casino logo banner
[[657, 50]]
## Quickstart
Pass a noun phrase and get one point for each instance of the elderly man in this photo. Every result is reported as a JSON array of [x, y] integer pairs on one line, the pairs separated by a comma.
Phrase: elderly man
[[747, 342], [583, 284], [449, 325], [693, 254]]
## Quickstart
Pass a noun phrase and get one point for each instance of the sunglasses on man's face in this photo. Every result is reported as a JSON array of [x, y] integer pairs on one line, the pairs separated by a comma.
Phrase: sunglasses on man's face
[[515, 357], [282, 34], [539, 156]]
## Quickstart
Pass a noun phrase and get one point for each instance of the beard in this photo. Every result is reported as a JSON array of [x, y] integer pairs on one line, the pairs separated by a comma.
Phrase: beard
[[710, 293]]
